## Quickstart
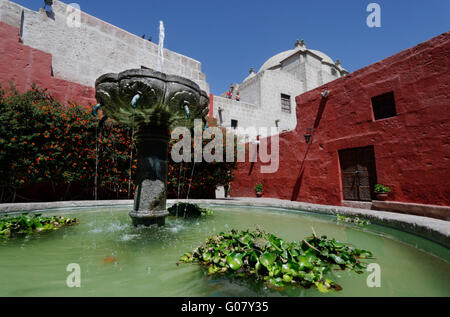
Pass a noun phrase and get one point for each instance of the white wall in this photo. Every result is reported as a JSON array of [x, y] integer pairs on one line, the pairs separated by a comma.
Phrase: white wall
[[250, 90], [237, 110], [83, 54], [273, 84]]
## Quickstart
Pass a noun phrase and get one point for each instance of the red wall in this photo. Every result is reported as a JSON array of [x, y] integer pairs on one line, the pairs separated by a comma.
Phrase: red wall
[[25, 65], [411, 150]]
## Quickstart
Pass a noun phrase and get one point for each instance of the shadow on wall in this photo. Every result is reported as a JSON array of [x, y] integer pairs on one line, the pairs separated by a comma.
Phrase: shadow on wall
[[298, 183]]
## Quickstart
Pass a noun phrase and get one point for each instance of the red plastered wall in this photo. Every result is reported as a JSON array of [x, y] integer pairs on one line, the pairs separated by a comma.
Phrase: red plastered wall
[[411, 149]]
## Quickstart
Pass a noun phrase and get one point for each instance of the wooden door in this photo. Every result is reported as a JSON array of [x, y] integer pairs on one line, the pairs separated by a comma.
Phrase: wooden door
[[358, 173]]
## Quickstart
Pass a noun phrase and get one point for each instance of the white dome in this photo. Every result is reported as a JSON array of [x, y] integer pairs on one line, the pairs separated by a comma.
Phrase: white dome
[[277, 59], [325, 57]]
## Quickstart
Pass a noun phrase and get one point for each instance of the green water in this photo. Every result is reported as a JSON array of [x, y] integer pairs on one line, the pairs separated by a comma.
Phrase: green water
[[117, 259]]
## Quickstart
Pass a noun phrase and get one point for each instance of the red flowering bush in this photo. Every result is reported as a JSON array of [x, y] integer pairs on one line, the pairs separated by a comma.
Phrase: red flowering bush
[[49, 151], [205, 176]]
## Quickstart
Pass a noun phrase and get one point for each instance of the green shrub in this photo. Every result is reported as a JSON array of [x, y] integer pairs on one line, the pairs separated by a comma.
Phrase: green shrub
[[381, 189], [205, 176], [258, 187]]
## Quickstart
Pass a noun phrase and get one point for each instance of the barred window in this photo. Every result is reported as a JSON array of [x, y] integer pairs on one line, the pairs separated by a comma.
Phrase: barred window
[[286, 103]]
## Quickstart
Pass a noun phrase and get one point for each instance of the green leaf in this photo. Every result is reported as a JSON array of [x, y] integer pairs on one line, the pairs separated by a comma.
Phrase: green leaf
[[234, 261], [304, 262], [267, 259], [287, 278], [284, 245], [216, 257], [207, 256], [245, 239], [337, 259], [321, 287]]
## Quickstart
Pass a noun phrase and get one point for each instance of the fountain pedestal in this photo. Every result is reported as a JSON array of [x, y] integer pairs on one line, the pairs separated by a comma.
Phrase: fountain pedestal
[[151, 177]]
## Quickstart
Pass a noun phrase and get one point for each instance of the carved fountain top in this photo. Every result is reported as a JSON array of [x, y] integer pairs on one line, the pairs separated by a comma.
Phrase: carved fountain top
[[163, 100]]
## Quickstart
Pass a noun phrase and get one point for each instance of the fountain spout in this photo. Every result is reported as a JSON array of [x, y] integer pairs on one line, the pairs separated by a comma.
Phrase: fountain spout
[[135, 100], [96, 109], [186, 110]]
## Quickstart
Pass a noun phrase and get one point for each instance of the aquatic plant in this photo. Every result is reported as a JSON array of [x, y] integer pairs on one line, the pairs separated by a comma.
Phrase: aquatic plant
[[188, 210], [26, 224], [263, 256], [354, 220]]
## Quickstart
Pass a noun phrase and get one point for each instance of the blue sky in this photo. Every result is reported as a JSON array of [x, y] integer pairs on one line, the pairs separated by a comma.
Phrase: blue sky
[[230, 36]]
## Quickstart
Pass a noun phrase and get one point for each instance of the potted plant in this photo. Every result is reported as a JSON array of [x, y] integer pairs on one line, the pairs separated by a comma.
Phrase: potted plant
[[381, 191], [259, 190]]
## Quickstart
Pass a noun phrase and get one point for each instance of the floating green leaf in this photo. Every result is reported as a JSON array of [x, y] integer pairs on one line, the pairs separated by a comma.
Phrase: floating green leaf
[[234, 261], [267, 259], [337, 259]]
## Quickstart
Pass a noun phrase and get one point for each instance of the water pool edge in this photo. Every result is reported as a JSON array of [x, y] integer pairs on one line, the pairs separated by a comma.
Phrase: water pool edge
[[432, 229]]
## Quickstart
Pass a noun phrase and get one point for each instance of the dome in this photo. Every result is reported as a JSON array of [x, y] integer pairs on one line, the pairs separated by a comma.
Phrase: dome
[[325, 57], [277, 59]]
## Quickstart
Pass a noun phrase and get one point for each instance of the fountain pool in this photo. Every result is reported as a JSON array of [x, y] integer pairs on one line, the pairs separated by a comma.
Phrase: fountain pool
[[118, 259]]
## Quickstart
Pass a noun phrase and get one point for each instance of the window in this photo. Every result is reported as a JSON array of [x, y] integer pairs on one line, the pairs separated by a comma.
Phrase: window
[[234, 124], [333, 72], [286, 103], [384, 106]]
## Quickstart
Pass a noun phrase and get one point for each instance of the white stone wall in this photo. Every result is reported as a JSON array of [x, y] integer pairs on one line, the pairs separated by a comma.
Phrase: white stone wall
[[273, 84], [83, 54], [327, 75], [238, 110], [292, 66], [250, 90]]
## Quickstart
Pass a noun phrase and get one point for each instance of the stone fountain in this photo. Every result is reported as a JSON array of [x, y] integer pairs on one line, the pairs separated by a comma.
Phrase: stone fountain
[[152, 103]]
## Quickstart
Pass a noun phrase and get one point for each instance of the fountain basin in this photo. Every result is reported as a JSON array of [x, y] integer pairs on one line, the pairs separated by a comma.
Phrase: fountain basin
[[118, 259], [162, 98]]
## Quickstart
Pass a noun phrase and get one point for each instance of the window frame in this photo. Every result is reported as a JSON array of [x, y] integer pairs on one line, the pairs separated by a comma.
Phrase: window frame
[[283, 100]]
